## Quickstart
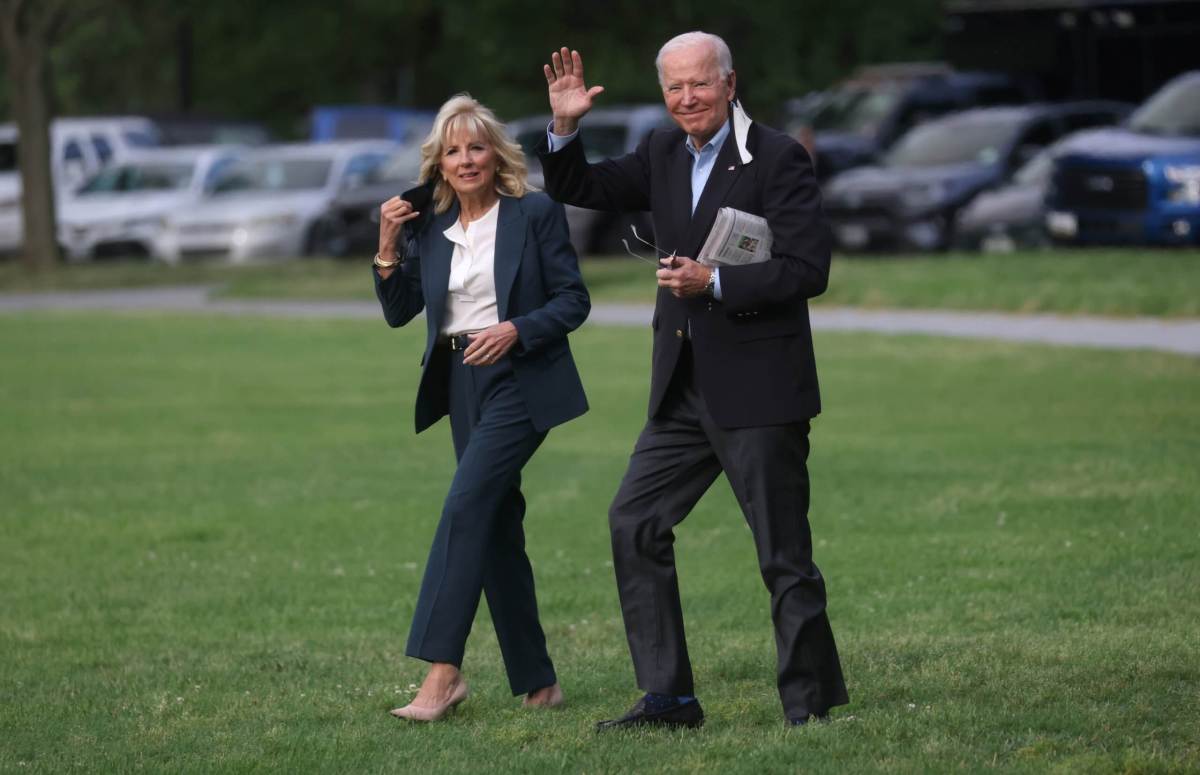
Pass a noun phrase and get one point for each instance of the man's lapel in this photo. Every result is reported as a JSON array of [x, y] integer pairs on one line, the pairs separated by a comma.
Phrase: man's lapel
[[679, 175], [435, 267], [510, 245], [724, 174]]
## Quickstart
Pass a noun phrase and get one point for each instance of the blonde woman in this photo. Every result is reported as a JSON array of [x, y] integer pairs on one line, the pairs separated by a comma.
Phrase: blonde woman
[[495, 273]]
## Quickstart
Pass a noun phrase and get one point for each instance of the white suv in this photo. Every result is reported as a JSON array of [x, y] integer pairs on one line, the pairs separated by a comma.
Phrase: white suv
[[79, 147]]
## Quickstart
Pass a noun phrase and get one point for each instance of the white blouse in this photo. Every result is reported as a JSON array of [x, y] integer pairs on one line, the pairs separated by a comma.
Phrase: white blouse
[[471, 298]]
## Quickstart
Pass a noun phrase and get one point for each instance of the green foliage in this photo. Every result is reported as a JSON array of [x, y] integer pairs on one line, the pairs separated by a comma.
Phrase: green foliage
[[214, 530], [273, 60]]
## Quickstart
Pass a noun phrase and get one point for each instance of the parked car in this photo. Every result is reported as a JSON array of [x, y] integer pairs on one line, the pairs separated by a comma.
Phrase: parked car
[[123, 209], [605, 133], [799, 113], [852, 124], [1136, 184], [353, 220], [272, 202], [79, 147], [910, 201], [1012, 215], [10, 174]]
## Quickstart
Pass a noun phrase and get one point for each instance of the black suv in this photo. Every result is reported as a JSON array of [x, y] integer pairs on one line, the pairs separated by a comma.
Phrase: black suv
[[910, 200], [853, 123]]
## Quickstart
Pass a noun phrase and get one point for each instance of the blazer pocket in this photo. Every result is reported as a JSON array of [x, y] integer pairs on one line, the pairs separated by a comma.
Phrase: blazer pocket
[[750, 330], [545, 355]]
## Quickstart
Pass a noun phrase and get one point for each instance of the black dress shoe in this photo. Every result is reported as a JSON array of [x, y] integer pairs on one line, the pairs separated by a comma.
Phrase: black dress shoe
[[684, 714], [799, 721]]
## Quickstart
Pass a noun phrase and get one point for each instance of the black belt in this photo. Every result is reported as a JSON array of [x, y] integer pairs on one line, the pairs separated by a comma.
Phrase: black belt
[[454, 343]]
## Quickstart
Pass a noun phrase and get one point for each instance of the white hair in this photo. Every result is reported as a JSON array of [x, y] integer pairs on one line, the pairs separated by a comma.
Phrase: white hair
[[718, 47]]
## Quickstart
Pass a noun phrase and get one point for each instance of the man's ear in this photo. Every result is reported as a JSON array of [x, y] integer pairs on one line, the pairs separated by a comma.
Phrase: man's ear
[[732, 85]]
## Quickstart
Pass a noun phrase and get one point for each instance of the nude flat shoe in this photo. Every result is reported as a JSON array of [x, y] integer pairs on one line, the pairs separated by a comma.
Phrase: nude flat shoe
[[434, 712], [555, 699]]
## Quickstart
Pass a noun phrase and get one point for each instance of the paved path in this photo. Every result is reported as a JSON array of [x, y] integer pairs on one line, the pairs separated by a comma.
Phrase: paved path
[[1178, 336]]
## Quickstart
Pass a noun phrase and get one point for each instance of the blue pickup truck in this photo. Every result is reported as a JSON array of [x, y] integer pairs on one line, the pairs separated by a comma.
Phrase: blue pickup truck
[[1138, 184]]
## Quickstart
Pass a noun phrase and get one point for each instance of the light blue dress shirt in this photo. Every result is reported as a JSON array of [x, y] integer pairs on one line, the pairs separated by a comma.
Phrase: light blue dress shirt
[[703, 161]]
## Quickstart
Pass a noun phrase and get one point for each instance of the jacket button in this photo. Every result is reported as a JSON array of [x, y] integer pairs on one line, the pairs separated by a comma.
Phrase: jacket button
[[679, 332]]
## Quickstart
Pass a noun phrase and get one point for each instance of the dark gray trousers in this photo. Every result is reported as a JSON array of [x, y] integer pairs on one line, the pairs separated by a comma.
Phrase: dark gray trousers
[[677, 457], [480, 542]]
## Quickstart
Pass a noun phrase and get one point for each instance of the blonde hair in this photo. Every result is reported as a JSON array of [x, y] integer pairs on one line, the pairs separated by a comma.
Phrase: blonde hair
[[464, 113]]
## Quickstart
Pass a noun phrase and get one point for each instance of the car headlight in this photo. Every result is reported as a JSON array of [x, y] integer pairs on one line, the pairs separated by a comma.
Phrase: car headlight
[[273, 222], [926, 196], [1183, 183]]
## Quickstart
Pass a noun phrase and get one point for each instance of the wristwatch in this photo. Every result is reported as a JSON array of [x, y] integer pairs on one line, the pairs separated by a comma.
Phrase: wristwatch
[[711, 285]]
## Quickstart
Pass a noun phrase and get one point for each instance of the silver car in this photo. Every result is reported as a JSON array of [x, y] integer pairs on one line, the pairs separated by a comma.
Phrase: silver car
[[274, 202], [123, 209]]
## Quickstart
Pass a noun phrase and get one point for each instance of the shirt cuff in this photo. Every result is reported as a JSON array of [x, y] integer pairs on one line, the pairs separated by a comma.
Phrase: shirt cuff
[[558, 142], [717, 284]]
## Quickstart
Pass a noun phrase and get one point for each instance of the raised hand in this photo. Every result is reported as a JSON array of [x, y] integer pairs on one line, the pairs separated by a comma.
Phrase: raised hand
[[393, 214], [570, 98]]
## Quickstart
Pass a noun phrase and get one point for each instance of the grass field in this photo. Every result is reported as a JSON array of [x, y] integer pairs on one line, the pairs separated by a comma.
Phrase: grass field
[[1101, 282], [214, 530]]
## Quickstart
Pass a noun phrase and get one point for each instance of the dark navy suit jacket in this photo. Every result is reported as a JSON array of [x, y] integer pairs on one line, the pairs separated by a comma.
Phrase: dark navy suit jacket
[[538, 288], [753, 349]]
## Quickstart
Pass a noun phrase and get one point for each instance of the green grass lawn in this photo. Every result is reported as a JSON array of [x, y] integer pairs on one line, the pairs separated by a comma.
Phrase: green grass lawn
[[214, 530], [1100, 282]]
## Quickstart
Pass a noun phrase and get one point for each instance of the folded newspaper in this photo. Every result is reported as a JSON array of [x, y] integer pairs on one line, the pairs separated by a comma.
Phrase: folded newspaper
[[736, 238]]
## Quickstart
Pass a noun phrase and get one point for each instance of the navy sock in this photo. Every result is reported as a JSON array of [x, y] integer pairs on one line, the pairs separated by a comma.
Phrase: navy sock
[[657, 703]]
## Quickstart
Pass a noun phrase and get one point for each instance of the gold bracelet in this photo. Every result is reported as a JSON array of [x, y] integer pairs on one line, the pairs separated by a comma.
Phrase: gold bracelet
[[379, 262]]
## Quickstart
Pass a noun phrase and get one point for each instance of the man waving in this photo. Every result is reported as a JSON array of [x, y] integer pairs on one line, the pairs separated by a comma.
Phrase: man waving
[[733, 382]]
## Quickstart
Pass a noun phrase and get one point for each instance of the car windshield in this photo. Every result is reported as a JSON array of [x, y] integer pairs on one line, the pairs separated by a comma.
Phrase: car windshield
[[1036, 170], [403, 167], [857, 109], [979, 139], [603, 141], [600, 141], [276, 175], [136, 139], [1173, 111], [140, 177], [830, 115], [802, 111], [8, 157]]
